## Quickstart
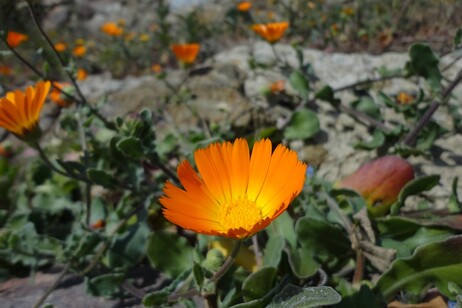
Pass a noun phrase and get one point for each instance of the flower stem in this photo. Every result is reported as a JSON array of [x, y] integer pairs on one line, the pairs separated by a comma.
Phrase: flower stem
[[215, 278]]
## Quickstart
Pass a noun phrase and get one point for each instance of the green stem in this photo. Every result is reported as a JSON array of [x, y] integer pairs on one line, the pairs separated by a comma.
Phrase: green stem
[[215, 278]]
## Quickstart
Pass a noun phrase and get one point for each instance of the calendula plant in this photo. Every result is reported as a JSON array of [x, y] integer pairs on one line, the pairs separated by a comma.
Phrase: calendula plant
[[229, 216]]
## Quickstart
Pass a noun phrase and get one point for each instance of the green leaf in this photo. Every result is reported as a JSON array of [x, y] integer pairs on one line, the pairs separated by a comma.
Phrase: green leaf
[[105, 285], [435, 264], [424, 63], [156, 299], [300, 83], [169, 253], [199, 275], [457, 38], [405, 248], [417, 186], [455, 205], [102, 178], [257, 284], [293, 296], [362, 298], [333, 241], [273, 250], [284, 226], [131, 147], [304, 124], [367, 106], [327, 94], [302, 262], [378, 138], [130, 247]]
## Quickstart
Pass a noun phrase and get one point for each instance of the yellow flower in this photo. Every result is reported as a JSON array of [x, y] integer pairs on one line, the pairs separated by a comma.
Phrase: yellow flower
[[236, 194], [244, 6], [271, 32], [144, 37], [60, 47], [14, 39], [349, 11], [112, 29], [79, 51], [59, 98], [20, 111], [81, 74], [186, 53]]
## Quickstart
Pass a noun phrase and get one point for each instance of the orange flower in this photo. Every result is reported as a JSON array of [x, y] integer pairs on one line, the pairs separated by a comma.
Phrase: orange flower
[[60, 47], [14, 39], [236, 194], [5, 70], [277, 86], [271, 32], [404, 99], [79, 51], [57, 97], [156, 68], [20, 111], [81, 74], [186, 53], [99, 224], [112, 29], [244, 6]]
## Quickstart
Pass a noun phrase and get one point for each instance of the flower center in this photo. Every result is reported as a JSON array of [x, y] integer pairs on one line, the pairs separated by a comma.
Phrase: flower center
[[240, 213]]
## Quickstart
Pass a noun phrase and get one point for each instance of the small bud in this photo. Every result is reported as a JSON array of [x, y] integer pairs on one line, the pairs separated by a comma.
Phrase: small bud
[[379, 182]]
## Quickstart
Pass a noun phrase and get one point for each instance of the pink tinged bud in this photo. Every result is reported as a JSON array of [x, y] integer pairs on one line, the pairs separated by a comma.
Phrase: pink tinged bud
[[379, 182]]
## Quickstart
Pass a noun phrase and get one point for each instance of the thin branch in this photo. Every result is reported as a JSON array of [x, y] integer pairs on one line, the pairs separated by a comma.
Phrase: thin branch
[[367, 81], [411, 137], [53, 286]]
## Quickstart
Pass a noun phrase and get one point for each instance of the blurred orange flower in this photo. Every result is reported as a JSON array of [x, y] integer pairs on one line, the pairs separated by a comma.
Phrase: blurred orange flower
[[403, 98], [5, 70], [79, 51], [112, 29], [277, 86], [271, 32], [60, 47], [99, 224], [156, 68], [20, 111], [244, 6], [59, 98], [237, 193], [14, 39], [81, 74], [186, 53]]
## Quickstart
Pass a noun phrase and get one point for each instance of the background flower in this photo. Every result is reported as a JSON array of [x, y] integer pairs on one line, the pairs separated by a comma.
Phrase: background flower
[[186, 53], [271, 32], [20, 111]]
